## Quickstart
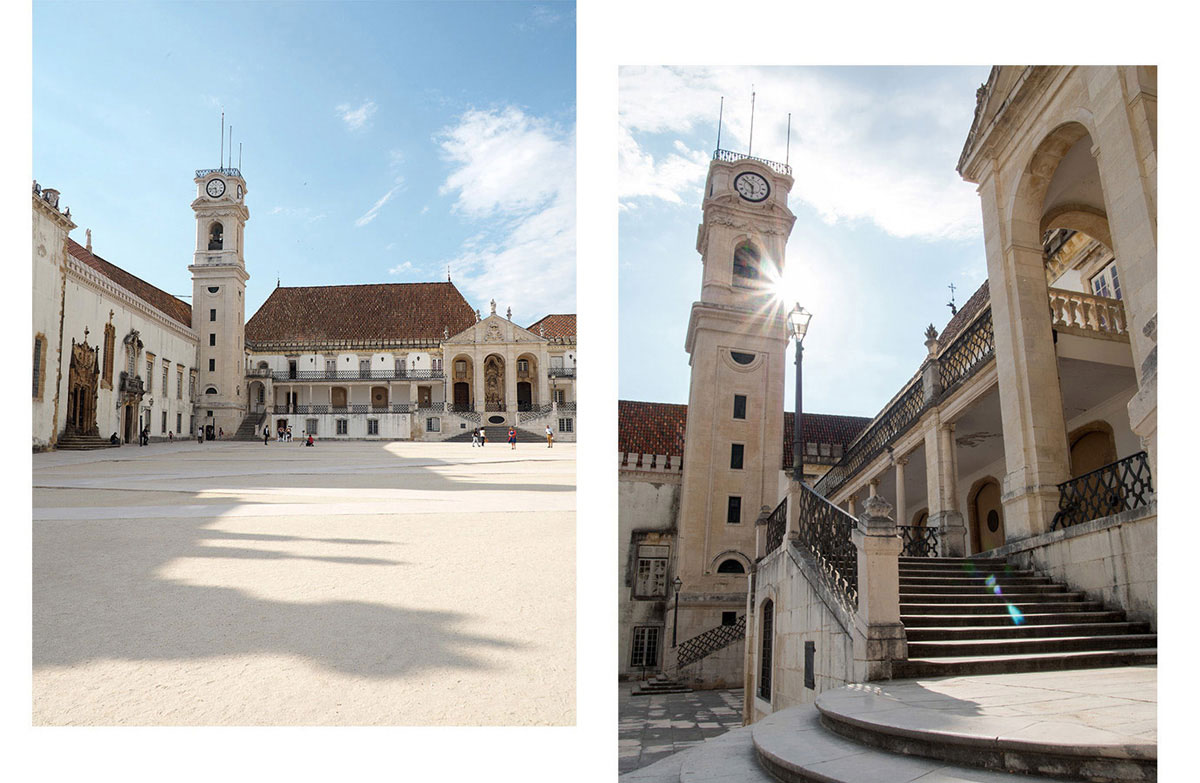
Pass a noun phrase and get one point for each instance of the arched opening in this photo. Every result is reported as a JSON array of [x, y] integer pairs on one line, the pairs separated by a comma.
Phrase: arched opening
[[987, 515], [211, 390], [379, 397], [1092, 446], [527, 373], [731, 566], [462, 370], [921, 518], [493, 383], [747, 261], [216, 236], [768, 632], [337, 397], [258, 397]]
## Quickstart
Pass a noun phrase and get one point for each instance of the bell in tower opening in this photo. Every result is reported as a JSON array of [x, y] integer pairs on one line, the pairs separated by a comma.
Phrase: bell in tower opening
[[215, 237]]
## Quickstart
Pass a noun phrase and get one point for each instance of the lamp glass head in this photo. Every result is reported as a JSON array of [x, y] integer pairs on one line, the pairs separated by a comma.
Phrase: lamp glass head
[[798, 319]]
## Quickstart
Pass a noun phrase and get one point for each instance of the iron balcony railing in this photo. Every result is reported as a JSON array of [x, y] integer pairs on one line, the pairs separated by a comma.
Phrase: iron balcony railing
[[776, 525], [340, 410], [201, 173], [970, 352], [561, 372], [356, 375], [1121, 486], [709, 642], [824, 530], [734, 157], [258, 372], [919, 540], [566, 407]]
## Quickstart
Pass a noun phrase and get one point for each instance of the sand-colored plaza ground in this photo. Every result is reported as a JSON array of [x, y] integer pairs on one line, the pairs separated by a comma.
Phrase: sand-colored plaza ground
[[347, 584]]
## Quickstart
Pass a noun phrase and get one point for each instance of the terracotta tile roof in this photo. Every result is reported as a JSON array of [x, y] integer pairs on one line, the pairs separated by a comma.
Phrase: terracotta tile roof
[[965, 315], [651, 427], [360, 313], [561, 325], [156, 297], [659, 428], [822, 428]]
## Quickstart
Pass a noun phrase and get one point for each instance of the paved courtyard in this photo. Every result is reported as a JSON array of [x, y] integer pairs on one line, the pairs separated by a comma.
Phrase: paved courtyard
[[351, 583], [654, 727]]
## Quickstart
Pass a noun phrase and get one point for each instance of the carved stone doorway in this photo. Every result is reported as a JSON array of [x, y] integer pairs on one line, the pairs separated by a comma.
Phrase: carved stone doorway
[[83, 381]]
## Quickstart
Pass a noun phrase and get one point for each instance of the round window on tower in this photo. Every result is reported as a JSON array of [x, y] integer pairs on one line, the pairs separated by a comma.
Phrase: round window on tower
[[212, 289]]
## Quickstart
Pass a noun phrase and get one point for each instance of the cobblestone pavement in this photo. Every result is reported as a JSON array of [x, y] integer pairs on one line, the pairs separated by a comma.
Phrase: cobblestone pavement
[[652, 727]]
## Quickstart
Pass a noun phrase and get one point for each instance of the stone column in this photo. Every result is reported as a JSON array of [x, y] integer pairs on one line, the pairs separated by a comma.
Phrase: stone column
[[795, 491], [1031, 410], [880, 637], [477, 390], [901, 506], [760, 533], [942, 490], [873, 487], [510, 382], [852, 505]]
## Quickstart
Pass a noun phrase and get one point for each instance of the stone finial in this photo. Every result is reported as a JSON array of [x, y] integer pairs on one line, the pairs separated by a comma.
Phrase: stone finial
[[493, 307], [541, 330], [445, 333], [89, 240], [876, 512], [508, 314], [763, 515], [931, 341], [478, 317]]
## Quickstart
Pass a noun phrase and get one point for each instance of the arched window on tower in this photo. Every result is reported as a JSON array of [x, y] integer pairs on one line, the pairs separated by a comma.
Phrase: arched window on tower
[[731, 566], [216, 236], [746, 261]]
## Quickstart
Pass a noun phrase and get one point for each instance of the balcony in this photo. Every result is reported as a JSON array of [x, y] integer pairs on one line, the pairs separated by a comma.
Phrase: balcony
[[355, 375], [561, 372], [1088, 314], [734, 157]]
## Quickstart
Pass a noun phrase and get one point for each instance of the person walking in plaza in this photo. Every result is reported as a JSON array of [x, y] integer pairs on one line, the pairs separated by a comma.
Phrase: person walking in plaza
[[266, 435], [512, 438], [549, 437], [482, 437], [289, 433], [474, 437]]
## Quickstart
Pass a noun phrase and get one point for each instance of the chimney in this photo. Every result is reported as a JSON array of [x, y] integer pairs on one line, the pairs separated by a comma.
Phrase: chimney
[[89, 240]]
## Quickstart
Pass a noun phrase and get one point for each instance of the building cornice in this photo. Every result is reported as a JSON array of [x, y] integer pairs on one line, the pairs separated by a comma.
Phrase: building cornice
[[82, 273]]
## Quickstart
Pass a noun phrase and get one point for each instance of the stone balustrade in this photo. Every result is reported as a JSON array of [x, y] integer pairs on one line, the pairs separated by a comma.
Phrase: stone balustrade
[[1087, 313]]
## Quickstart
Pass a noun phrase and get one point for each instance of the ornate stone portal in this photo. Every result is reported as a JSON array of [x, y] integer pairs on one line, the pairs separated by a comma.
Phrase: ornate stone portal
[[83, 382], [493, 383]]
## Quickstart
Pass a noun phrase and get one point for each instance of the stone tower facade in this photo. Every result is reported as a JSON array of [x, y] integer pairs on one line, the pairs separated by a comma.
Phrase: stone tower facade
[[736, 339], [219, 298]]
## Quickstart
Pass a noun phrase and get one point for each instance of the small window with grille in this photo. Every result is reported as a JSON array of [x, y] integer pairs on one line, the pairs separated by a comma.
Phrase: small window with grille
[[566, 425], [310, 426], [645, 646], [372, 426], [342, 426], [433, 424]]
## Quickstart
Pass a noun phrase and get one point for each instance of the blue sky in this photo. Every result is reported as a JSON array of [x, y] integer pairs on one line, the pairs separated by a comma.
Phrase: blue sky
[[381, 141], [883, 222]]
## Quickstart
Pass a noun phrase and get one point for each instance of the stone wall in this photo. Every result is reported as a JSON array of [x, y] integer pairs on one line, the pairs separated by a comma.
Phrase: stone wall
[[804, 610], [647, 506], [1113, 560]]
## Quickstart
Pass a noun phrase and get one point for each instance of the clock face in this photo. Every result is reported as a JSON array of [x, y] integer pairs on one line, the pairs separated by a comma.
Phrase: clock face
[[215, 188], [751, 186]]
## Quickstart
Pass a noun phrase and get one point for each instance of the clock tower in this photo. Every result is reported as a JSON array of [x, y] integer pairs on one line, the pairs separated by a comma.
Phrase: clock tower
[[219, 298], [736, 339]]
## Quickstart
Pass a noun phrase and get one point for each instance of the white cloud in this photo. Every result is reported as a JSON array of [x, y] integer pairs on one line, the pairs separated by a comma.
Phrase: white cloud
[[357, 118], [373, 212], [303, 213], [514, 175], [400, 269], [858, 151]]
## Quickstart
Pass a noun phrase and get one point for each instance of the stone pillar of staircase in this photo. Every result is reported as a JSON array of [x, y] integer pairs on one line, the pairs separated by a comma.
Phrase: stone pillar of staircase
[[879, 637], [760, 533], [941, 471]]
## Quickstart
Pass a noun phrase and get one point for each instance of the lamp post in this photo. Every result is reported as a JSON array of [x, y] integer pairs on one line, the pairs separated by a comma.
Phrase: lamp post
[[798, 322], [675, 626]]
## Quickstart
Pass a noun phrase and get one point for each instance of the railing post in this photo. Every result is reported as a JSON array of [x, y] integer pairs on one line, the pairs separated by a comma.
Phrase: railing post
[[760, 533], [880, 638]]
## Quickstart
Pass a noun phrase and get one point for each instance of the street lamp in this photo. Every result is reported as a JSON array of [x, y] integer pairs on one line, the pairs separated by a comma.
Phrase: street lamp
[[675, 627], [798, 323]]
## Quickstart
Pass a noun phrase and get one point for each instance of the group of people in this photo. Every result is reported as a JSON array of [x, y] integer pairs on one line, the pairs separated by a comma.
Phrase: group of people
[[479, 437], [284, 435]]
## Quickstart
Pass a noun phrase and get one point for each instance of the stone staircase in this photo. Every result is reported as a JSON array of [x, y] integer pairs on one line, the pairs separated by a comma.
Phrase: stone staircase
[[659, 684], [77, 442], [499, 436], [251, 427], [982, 616]]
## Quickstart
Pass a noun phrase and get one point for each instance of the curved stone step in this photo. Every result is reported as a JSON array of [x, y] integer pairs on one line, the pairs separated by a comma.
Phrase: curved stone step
[[1004, 620], [954, 721], [1023, 631], [992, 647], [795, 747], [1019, 596], [998, 606], [1010, 664], [729, 757]]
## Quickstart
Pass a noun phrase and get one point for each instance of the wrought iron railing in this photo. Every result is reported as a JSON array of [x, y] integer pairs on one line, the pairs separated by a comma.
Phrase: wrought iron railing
[[1121, 486], [895, 421], [356, 375], [776, 526], [734, 157], [494, 407], [969, 352], [536, 412], [561, 372], [566, 407], [201, 173], [258, 372], [709, 642], [824, 530], [320, 409], [919, 540]]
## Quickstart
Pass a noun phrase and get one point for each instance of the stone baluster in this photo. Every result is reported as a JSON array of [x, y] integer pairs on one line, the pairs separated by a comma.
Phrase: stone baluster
[[760, 533]]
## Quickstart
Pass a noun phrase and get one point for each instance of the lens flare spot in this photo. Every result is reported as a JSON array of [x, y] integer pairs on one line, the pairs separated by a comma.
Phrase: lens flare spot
[[1015, 614]]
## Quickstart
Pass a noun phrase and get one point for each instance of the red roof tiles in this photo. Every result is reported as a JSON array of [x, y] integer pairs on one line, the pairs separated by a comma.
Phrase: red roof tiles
[[375, 312], [155, 297], [659, 428], [561, 325]]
